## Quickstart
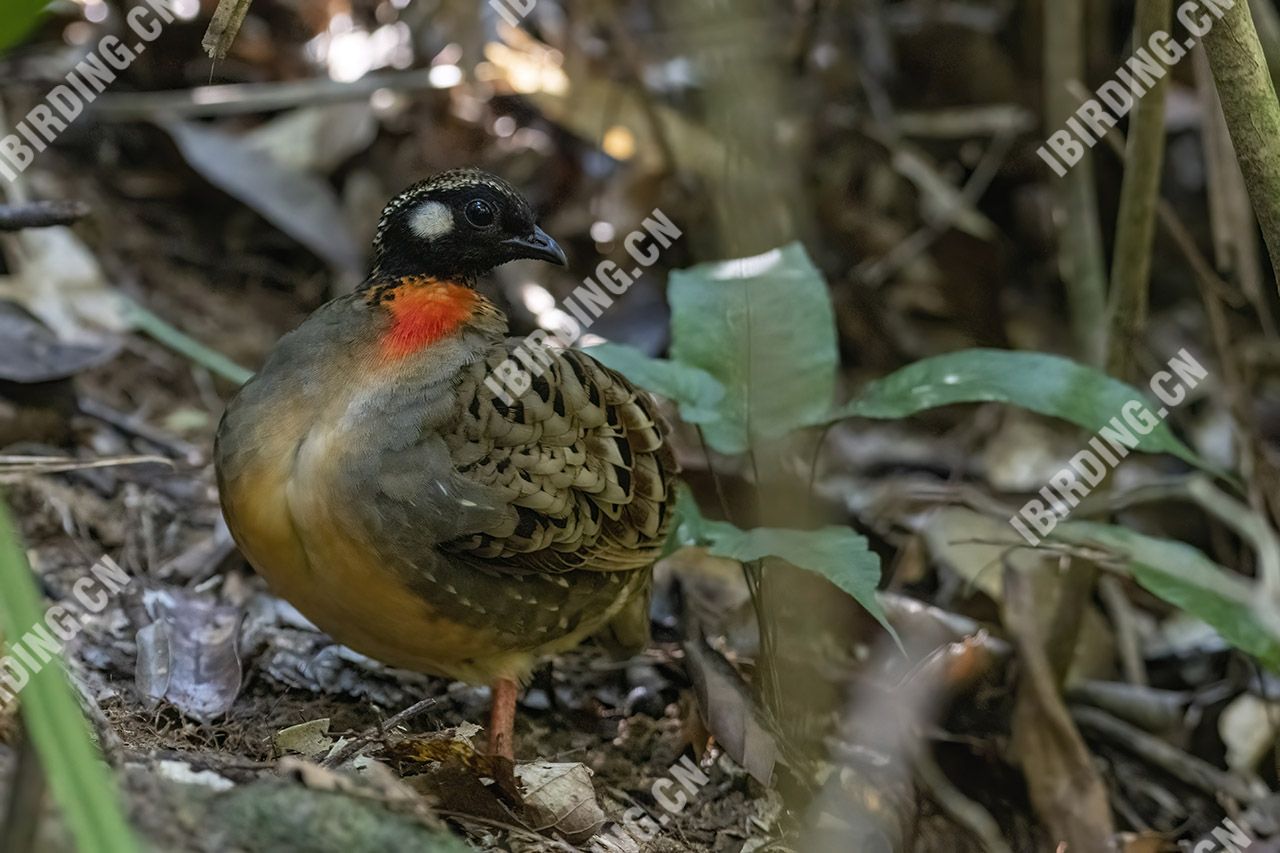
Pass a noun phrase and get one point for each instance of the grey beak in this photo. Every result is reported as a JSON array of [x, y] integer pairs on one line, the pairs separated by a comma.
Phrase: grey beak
[[538, 246]]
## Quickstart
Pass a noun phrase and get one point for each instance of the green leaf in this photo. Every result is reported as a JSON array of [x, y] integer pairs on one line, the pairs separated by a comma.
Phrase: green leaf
[[1187, 579], [19, 19], [838, 554], [763, 327], [691, 526], [697, 392], [1048, 384], [77, 777]]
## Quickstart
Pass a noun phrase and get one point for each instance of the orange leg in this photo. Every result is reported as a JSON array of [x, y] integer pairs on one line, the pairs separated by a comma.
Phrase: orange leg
[[502, 719]]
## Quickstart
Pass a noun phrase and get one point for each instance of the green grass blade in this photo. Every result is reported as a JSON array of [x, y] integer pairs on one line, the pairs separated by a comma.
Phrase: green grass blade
[[215, 362], [80, 782]]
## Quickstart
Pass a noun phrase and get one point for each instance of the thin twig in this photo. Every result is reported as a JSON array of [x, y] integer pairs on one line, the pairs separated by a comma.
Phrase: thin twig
[[1194, 771], [28, 465], [875, 272], [135, 426], [241, 98], [957, 806], [41, 214], [1248, 524], [374, 733], [1128, 642]]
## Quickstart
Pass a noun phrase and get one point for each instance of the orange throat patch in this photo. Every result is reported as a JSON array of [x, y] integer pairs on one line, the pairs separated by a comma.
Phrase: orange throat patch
[[423, 310]]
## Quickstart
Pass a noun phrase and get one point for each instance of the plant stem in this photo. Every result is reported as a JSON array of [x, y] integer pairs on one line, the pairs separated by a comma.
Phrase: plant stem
[[224, 26], [1083, 269], [1267, 20], [1079, 234], [1136, 224], [1252, 113]]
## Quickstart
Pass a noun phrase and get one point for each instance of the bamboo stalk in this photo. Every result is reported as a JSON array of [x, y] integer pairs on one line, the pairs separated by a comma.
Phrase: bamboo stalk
[[1079, 234], [1253, 115], [1267, 20], [1136, 223]]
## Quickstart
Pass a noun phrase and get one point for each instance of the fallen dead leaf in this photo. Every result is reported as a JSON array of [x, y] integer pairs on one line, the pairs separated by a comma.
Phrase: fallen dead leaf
[[1064, 785], [560, 798], [310, 739], [188, 655], [729, 712]]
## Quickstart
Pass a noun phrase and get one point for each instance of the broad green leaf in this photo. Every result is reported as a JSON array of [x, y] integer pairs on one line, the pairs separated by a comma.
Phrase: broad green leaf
[[77, 777], [763, 327], [19, 19], [1048, 384], [697, 392], [1190, 581], [836, 553]]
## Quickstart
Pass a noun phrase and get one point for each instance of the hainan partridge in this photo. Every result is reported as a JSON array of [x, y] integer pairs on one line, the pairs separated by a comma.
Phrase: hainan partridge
[[420, 515]]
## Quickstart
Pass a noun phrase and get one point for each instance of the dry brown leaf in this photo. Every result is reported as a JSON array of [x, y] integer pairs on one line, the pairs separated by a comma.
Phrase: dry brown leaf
[[1064, 785], [559, 798], [729, 711]]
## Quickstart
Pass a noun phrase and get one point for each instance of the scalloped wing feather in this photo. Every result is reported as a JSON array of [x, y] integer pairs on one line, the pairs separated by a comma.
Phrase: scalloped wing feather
[[581, 458]]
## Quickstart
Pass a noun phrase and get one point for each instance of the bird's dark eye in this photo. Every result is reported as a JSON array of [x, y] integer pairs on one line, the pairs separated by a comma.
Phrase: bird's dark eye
[[479, 213]]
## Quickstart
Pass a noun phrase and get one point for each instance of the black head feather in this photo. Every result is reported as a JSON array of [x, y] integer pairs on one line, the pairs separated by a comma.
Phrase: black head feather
[[458, 225]]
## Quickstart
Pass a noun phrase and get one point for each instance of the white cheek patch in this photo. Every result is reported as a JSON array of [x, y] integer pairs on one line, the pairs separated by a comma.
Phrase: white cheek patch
[[431, 220]]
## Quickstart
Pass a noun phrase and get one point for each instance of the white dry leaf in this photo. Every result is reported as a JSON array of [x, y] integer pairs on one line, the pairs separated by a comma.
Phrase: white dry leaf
[[310, 739], [560, 797], [466, 731], [188, 653], [974, 546], [1248, 730], [185, 774], [1026, 450], [316, 139], [58, 279]]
